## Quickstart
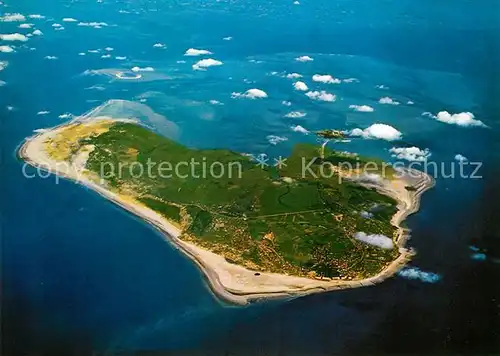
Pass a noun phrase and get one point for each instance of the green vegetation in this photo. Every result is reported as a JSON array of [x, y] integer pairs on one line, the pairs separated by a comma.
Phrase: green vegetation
[[265, 219]]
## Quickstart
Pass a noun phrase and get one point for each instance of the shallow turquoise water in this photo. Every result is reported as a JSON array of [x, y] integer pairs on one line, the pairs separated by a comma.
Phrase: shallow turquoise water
[[79, 273]]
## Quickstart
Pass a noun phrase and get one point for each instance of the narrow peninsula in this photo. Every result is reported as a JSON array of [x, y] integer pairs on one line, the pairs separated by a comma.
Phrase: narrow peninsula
[[254, 232]]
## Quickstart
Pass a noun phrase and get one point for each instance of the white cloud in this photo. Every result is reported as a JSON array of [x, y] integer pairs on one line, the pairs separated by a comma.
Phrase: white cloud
[[350, 80], [429, 114], [387, 100], [159, 45], [206, 63], [286, 103], [215, 102], [274, 140], [464, 119], [93, 50], [296, 115], [109, 49], [296, 2], [479, 256], [196, 52], [145, 69], [371, 178], [43, 112], [229, 38], [56, 25], [14, 37], [93, 24], [66, 116], [304, 59], [251, 94], [3, 65], [325, 78], [120, 58], [362, 108], [321, 95], [378, 131], [412, 154], [300, 86], [36, 16], [416, 273], [381, 86], [460, 158], [106, 56], [13, 18], [300, 129], [51, 57], [6, 49], [294, 76], [377, 240], [409, 102], [69, 19], [366, 214], [82, 54], [25, 25]]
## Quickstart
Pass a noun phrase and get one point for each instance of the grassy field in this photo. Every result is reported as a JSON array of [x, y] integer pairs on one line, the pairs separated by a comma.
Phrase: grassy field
[[265, 219]]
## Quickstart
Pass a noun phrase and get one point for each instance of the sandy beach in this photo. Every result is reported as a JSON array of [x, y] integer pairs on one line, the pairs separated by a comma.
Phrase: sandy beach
[[230, 282]]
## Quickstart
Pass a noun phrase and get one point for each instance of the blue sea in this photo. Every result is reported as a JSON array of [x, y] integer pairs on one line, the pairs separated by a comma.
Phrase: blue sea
[[81, 275]]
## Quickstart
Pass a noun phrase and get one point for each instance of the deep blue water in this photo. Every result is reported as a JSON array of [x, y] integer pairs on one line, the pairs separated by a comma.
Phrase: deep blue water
[[81, 274]]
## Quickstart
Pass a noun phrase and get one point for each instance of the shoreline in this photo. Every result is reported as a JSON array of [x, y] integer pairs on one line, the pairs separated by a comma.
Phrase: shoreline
[[230, 282]]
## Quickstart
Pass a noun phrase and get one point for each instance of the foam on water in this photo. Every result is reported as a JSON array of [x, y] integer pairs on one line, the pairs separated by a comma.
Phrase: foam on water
[[125, 110]]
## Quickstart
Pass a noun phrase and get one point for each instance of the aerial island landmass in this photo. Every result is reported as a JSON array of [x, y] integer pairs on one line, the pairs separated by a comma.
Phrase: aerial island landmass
[[261, 233]]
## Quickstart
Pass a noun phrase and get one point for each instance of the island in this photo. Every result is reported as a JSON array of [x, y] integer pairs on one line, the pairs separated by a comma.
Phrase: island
[[330, 133], [255, 231]]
